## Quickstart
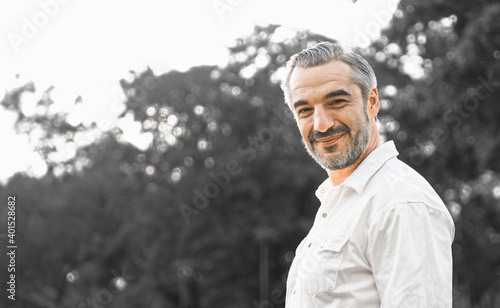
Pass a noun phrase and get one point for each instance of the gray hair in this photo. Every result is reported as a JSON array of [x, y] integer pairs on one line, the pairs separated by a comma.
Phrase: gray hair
[[325, 52]]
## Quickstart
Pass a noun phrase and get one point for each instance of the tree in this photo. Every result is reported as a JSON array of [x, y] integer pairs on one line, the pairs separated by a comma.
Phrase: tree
[[447, 129], [224, 194]]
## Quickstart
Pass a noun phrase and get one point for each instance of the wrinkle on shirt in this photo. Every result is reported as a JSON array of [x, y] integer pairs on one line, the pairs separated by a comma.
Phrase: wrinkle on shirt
[[398, 235]]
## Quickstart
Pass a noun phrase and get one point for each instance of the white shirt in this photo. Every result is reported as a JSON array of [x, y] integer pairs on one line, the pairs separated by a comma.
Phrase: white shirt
[[382, 238]]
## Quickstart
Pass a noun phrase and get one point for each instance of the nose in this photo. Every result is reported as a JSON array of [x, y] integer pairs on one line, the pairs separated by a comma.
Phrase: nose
[[322, 120]]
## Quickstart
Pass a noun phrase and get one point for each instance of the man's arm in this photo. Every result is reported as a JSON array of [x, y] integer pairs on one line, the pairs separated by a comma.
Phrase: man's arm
[[409, 248]]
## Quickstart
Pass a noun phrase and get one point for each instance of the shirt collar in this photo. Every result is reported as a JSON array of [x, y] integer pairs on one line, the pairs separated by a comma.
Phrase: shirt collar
[[365, 170]]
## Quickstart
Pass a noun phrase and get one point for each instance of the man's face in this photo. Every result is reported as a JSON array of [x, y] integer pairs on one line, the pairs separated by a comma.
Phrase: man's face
[[331, 114]]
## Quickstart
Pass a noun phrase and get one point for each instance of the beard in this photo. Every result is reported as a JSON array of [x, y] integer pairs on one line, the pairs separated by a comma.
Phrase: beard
[[356, 147]]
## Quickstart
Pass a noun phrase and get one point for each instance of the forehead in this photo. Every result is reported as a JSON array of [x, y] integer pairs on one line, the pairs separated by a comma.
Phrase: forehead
[[326, 77]]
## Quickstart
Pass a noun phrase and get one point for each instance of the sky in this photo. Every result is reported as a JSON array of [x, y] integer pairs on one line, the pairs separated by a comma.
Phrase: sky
[[83, 48]]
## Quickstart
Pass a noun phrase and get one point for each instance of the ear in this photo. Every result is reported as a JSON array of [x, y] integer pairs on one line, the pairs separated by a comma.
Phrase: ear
[[373, 103]]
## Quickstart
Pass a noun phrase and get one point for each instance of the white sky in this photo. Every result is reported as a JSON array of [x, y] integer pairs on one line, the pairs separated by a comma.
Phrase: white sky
[[85, 47]]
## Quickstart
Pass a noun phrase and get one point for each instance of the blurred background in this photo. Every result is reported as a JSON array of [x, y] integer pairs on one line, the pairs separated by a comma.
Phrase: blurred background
[[155, 164]]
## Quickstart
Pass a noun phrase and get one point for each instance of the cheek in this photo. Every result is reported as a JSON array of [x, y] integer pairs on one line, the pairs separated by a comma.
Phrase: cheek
[[353, 119], [304, 130], [359, 123]]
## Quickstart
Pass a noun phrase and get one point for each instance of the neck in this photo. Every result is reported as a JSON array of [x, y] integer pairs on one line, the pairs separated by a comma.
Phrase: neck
[[338, 176]]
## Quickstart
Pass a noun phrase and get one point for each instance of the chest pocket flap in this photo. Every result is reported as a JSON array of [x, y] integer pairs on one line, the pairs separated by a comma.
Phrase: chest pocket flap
[[321, 263], [333, 242]]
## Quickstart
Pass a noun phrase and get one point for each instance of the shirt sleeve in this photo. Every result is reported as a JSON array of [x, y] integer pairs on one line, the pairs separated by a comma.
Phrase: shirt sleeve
[[409, 248]]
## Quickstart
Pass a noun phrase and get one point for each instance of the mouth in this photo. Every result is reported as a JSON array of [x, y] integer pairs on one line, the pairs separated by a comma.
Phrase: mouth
[[329, 141]]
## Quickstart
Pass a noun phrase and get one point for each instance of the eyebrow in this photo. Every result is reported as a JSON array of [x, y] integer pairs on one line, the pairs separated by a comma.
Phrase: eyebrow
[[337, 93], [300, 103], [327, 96]]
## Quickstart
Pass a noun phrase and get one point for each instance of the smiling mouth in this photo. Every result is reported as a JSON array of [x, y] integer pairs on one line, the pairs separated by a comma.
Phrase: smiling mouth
[[328, 141]]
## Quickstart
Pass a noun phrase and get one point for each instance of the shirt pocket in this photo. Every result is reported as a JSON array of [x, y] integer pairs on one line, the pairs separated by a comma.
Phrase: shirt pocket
[[321, 262]]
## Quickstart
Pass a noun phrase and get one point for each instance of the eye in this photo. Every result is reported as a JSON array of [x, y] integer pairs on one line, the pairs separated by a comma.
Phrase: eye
[[337, 102], [303, 111]]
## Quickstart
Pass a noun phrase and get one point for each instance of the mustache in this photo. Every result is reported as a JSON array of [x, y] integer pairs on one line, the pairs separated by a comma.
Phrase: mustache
[[330, 132]]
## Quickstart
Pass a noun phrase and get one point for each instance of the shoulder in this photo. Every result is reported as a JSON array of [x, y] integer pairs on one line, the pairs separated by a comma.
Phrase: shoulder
[[396, 187], [396, 182]]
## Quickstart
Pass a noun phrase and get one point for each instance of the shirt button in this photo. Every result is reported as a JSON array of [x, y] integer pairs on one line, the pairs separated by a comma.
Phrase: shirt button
[[324, 215], [322, 190]]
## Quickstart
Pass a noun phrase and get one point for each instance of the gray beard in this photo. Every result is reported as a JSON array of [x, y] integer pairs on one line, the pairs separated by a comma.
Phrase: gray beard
[[345, 159]]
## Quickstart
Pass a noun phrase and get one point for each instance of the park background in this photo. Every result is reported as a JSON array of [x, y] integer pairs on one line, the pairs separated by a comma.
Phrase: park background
[[198, 189]]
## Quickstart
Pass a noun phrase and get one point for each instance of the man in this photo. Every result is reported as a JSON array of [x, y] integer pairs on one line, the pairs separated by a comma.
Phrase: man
[[382, 236]]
